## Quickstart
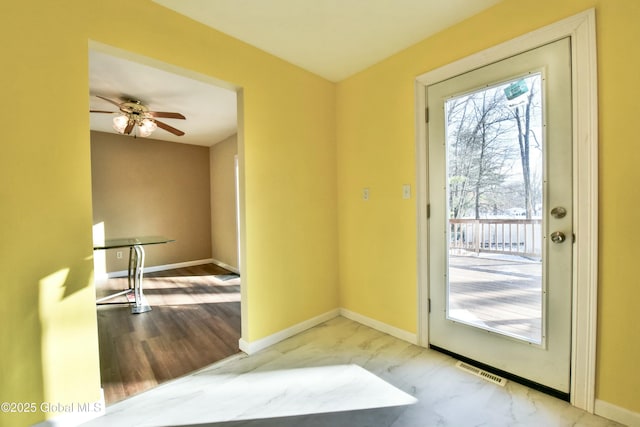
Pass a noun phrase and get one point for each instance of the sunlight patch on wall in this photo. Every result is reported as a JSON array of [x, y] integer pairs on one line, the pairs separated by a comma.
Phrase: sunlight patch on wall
[[99, 257], [52, 289], [63, 321]]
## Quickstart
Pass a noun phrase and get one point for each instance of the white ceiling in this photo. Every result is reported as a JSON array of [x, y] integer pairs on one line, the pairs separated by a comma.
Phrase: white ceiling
[[210, 110], [332, 38]]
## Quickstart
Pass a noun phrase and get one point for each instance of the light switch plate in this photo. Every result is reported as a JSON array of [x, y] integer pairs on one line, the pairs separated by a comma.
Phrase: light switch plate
[[365, 194], [406, 191]]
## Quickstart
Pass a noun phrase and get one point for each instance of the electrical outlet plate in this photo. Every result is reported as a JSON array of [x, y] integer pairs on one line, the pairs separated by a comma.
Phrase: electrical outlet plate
[[365, 194]]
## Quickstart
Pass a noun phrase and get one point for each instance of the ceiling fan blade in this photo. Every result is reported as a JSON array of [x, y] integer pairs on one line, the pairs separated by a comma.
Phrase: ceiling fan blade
[[101, 111], [168, 128], [117, 104], [165, 115], [129, 127]]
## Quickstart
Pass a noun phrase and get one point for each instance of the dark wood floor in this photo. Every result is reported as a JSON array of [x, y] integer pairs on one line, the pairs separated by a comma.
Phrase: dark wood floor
[[194, 321]]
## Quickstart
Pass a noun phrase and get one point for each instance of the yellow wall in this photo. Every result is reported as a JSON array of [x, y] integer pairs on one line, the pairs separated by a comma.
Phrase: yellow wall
[[48, 332], [376, 137], [224, 224]]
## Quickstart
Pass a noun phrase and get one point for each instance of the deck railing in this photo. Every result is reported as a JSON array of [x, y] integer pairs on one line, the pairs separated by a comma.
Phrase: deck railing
[[505, 236]]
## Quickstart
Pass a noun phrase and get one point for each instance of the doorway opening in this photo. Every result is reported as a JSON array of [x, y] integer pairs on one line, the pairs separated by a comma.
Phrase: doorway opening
[[181, 187]]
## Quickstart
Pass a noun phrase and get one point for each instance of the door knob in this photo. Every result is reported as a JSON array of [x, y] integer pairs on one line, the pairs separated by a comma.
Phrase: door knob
[[558, 212], [558, 237]]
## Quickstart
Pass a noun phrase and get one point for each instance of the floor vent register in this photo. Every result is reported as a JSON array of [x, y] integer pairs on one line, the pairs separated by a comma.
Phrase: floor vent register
[[482, 373]]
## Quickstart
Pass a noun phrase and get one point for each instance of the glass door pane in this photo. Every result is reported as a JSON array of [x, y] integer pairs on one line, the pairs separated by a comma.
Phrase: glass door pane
[[494, 149]]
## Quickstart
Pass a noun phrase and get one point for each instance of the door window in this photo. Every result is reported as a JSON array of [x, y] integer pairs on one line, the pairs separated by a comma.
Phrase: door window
[[494, 150]]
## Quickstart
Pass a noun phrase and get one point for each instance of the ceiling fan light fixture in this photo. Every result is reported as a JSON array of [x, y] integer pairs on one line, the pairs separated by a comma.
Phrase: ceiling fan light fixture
[[120, 123], [146, 127], [133, 113]]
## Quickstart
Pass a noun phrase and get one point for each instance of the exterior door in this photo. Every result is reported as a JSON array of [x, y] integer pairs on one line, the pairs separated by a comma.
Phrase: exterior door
[[500, 225]]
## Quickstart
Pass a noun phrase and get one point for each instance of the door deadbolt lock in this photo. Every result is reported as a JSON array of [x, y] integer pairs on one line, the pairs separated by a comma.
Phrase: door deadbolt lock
[[558, 212], [558, 237]]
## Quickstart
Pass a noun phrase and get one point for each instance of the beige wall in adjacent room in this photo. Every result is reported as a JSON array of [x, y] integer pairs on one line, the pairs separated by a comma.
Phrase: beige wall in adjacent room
[[224, 225], [145, 187]]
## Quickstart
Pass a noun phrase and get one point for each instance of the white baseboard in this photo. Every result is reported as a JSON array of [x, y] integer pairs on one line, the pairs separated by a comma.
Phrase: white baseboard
[[261, 344], [225, 266], [380, 326], [77, 414], [154, 268], [616, 413]]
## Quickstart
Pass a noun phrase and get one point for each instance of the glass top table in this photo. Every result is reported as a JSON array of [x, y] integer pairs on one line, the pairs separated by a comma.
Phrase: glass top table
[[136, 245], [124, 242]]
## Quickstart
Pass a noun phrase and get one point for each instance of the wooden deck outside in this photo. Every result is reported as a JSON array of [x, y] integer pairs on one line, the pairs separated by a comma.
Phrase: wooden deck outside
[[499, 294]]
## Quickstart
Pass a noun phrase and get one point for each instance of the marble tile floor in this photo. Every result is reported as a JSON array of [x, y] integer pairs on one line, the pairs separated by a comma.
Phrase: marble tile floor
[[341, 373]]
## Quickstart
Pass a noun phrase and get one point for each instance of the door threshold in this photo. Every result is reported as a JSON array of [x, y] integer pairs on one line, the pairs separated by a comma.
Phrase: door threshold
[[520, 380]]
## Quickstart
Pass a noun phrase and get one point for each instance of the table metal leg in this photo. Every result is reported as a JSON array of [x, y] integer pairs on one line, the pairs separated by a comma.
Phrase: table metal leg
[[132, 261], [130, 279], [140, 304], [102, 300]]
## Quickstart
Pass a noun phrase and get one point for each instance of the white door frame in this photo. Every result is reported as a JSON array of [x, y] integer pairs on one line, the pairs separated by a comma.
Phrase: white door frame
[[581, 29]]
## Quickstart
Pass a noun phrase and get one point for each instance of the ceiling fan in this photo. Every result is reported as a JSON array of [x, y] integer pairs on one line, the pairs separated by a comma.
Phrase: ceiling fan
[[133, 113]]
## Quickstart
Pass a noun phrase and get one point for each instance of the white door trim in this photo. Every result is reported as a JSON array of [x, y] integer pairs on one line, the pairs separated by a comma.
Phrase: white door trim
[[581, 29]]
